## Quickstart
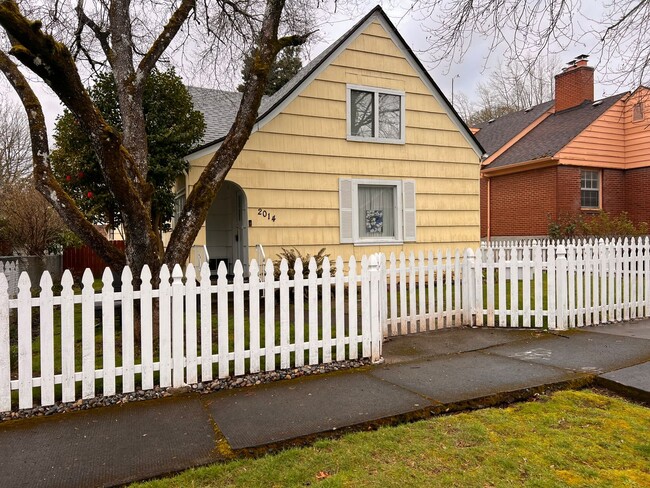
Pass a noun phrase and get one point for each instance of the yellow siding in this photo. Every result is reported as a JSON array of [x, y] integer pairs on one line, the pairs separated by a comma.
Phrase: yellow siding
[[291, 167]]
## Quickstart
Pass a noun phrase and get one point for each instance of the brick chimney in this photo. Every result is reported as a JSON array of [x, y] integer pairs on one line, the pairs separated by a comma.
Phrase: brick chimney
[[574, 85]]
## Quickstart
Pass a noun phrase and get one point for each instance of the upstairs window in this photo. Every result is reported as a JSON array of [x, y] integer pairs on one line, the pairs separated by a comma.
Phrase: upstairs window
[[637, 113], [589, 188], [375, 115]]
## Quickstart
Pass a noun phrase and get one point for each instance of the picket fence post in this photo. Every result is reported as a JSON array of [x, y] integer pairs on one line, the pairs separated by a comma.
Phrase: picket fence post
[[376, 333], [467, 284], [5, 365], [561, 287], [178, 329]]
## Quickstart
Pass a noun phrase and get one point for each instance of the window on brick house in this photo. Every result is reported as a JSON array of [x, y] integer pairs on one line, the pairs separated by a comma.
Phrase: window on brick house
[[590, 188], [637, 113]]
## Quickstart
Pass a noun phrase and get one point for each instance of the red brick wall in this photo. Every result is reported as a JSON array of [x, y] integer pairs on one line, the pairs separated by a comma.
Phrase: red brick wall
[[520, 202], [637, 194], [574, 86], [613, 187], [568, 191]]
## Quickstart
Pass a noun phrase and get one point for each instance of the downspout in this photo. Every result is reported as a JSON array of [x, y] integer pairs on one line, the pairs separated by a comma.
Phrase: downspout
[[489, 205]]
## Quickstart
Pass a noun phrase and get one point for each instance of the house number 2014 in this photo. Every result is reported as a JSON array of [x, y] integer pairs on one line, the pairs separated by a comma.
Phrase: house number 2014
[[265, 214]]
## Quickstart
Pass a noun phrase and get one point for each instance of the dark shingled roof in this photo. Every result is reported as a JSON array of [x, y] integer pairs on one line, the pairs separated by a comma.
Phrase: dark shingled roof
[[552, 134], [493, 135], [220, 108]]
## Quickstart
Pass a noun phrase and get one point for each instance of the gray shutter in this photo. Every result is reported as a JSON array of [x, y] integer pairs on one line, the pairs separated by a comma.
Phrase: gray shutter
[[408, 195], [345, 210]]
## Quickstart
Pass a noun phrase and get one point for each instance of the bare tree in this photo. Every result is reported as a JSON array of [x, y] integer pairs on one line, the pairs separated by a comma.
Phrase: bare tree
[[29, 222], [520, 84], [616, 32], [128, 38], [511, 87], [15, 149]]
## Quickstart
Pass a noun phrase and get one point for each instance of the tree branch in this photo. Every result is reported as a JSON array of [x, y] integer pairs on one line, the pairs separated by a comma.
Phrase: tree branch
[[44, 180], [159, 46], [205, 190], [101, 35]]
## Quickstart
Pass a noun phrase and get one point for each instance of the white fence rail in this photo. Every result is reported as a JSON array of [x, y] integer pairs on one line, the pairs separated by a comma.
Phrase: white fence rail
[[185, 330], [77, 343]]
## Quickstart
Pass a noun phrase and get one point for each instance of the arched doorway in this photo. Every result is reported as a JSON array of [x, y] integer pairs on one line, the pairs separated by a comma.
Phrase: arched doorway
[[227, 228]]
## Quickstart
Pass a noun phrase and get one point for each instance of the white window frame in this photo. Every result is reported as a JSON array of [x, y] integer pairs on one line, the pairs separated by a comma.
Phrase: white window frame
[[600, 188], [180, 196], [376, 92], [399, 231]]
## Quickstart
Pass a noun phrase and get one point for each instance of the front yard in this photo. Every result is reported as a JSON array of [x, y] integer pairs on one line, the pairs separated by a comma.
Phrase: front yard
[[571, 438]]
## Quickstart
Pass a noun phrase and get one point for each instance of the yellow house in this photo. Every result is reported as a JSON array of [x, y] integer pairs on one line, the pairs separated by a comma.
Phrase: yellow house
[[359, 153]]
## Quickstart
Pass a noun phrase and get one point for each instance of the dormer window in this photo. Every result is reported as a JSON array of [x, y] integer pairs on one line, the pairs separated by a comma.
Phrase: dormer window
[[375, 115], [637, 112]]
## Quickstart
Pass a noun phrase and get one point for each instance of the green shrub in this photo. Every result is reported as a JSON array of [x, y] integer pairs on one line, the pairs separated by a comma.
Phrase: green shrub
[[565, 227], [602, 224]]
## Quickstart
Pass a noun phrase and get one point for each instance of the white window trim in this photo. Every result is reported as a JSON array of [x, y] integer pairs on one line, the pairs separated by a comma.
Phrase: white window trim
[[600, 189], [178, 196], [376, 91], [399, 231]]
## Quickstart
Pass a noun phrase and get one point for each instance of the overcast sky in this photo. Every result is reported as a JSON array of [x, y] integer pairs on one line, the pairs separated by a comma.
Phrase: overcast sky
[[475, 65], [466, 73]]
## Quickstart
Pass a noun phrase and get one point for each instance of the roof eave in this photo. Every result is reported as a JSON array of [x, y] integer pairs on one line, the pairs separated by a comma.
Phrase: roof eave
[[538, 163]]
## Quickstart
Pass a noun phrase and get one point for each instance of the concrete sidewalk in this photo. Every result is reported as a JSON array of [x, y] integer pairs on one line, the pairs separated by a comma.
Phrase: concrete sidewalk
[[423, 375]]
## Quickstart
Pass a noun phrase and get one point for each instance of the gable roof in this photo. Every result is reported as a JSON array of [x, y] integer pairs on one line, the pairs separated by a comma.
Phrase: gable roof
[[494, 135], [553, 133], [220, 108]]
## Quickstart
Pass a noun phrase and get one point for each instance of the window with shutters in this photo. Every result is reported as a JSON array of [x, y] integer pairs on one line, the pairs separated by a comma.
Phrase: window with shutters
[[377, 211], [375, 115]]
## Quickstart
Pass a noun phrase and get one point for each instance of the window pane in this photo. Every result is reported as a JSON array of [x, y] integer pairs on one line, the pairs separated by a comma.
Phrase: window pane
[[589, 189], [390, 116], [589, 198], [376, 211], [362, 116]]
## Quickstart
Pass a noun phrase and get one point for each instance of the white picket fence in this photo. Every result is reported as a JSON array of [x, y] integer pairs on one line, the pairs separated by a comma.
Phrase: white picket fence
[[525, 284], [425, 293], [248, 335], [87, 344]]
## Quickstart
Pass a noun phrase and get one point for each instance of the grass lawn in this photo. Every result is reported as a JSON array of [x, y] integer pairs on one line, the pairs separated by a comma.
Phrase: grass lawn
[[571, 438]]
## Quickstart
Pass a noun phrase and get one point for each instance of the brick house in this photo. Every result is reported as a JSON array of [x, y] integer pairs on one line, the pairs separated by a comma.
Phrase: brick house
[[566, 156]]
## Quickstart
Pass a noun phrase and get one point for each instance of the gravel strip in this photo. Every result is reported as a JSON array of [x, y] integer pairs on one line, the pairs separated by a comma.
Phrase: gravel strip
[[201, 388]]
